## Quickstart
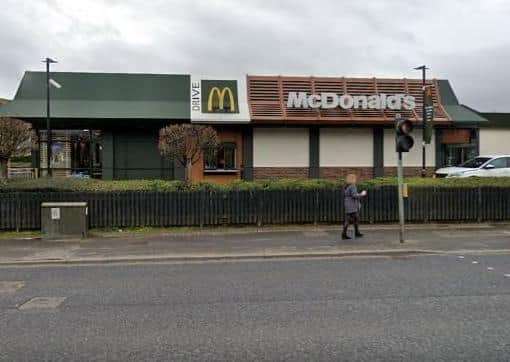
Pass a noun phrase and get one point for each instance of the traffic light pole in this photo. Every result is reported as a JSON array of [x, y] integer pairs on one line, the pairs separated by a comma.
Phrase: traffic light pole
[[423, 144], [400, 174], [404, 142]]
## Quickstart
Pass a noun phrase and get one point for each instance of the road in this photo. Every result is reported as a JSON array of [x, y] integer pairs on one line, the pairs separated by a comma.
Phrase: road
[[407, 308]]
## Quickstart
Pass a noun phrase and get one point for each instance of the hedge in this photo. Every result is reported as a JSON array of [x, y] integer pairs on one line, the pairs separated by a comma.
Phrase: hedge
[[74, 184]]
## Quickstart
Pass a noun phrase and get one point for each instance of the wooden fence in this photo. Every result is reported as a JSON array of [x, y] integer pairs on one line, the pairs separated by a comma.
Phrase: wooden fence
[[21, 210]]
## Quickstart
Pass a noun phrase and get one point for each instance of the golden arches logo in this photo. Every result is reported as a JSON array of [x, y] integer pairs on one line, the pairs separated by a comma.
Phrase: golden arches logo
[[226, 91]]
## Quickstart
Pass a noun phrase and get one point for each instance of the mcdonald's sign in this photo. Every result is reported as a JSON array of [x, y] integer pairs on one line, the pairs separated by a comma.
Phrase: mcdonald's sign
[[219, 96]]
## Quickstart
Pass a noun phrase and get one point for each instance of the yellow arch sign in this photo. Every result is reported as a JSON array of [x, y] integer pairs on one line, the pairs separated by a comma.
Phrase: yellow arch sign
[[221, 98]]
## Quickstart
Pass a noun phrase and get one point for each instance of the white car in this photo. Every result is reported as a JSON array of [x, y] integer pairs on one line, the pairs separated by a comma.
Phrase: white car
[[481, 166]]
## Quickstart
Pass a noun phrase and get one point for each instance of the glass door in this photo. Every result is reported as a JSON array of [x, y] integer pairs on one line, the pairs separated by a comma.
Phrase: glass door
[[457, 154]]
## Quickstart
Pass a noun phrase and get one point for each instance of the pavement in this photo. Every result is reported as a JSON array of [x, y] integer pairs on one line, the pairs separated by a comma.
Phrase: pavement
[[253, 243], [412, 308]]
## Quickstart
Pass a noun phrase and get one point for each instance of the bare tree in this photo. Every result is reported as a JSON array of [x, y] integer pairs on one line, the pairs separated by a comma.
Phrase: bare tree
[[186, 143], [15, 138]]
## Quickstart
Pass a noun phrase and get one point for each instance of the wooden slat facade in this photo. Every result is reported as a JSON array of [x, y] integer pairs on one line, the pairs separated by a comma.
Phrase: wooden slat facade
[[456, 136], [268, 95]]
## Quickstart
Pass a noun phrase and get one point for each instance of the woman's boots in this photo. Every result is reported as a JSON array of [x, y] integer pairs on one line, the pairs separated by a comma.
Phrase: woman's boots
[[356, 233]]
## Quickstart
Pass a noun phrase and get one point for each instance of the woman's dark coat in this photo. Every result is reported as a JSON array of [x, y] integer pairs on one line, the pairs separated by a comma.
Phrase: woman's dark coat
[[351, 199]]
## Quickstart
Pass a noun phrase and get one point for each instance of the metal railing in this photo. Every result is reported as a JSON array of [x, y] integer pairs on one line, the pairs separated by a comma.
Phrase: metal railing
[[21, 172]]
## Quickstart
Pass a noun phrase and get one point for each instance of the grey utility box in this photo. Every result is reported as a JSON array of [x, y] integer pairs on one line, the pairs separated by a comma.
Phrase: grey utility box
[[64, 220]]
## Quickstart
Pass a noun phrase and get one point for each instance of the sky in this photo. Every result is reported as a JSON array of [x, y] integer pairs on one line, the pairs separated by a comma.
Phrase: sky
[[465, 41]]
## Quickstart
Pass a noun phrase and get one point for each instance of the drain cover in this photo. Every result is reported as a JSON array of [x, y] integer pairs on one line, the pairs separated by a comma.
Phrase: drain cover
[[10, 287], [42, 303]]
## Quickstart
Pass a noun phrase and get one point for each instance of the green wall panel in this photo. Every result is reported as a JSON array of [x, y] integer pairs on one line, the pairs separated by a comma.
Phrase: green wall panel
[[135, 155]]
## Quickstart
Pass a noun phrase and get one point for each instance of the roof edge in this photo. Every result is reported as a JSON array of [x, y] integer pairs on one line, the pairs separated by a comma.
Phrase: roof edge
[[448, 96]]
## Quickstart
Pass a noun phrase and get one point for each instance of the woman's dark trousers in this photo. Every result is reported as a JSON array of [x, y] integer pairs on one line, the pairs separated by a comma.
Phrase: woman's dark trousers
[[351, 218]]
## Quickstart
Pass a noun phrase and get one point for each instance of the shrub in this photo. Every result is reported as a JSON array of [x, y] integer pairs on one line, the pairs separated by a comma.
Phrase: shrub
[[14, 141], [441, 182], [73, 184], [185, 143]]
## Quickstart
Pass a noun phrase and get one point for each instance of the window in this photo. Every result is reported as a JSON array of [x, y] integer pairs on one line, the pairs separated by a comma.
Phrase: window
[[221, 158], [58, 155], [475, 162], [461, 155], [498, 163], [97, 154]]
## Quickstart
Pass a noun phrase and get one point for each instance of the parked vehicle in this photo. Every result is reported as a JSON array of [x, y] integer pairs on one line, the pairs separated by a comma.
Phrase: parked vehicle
[[481, 166]]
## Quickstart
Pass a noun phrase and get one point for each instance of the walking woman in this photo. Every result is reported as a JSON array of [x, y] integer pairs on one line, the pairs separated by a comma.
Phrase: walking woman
[[352, 206]]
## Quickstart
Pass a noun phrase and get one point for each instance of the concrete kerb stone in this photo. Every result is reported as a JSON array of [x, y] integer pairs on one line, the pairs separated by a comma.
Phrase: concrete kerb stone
[[225, 257], [476, 252], [253, 256]]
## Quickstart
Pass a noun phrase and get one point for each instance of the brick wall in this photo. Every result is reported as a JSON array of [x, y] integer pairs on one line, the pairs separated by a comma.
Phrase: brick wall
[[408, 171], [364, 173], [340, 172], [264, 173]]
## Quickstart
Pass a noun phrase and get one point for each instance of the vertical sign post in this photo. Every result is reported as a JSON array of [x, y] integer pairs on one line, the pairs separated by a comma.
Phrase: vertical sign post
[[403, 143]]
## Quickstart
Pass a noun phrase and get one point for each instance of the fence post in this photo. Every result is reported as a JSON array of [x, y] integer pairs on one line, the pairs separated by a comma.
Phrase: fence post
[[225, 212], [18, 211], [260, 206], [370, 205], [316, 207], [202, 208], [425, 203], [480, 204]]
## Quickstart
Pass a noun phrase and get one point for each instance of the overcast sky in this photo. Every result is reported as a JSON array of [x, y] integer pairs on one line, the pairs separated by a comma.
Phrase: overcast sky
[[465, 41]]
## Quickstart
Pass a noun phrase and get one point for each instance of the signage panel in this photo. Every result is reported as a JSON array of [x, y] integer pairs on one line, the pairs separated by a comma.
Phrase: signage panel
[[329, 100], [218, 100]]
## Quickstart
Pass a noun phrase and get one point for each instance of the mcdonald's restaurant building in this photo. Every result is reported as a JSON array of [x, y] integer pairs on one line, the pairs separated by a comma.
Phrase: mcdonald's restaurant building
[[106, 125]]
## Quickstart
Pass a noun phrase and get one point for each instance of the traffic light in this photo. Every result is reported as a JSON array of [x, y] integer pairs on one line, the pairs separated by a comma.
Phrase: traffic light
[[404, 141]]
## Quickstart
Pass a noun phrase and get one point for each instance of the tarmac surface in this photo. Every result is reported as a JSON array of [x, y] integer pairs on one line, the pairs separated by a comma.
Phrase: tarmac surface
[[414, 308]]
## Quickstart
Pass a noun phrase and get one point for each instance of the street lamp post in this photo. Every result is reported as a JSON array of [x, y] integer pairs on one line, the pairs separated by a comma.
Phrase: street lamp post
[[423, 69], [48, 61]]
